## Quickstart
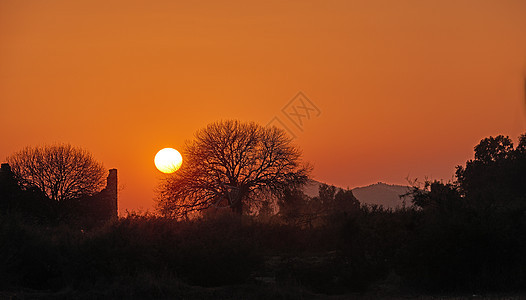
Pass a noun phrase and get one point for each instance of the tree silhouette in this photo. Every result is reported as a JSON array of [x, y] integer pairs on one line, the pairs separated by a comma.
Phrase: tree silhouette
[[497, 175], [494, 179], [493, 149], [437, 196], [62, 172], [332, 200], [232, 164], [294, 208], [299, 209]]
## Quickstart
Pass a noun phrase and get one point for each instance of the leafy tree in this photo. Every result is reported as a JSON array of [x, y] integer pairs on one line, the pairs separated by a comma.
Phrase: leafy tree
[[521, 147], [299, 209], [62, 172], [333, 200], [232, 164], [469, 230], [493, 149], [294, 208], [497, 175], [437, 196]]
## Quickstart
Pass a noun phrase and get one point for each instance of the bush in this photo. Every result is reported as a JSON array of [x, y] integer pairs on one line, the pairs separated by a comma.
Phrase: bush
[[431, 250]]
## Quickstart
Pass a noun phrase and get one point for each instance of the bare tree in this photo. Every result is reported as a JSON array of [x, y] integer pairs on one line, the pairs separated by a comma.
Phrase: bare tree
[[232, 164], [61, 171]]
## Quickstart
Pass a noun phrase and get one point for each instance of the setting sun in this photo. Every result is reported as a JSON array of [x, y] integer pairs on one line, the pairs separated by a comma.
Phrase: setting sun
[[168, 160]]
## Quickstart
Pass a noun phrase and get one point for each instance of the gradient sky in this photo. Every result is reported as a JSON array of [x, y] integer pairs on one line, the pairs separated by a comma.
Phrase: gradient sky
[[405, 88]]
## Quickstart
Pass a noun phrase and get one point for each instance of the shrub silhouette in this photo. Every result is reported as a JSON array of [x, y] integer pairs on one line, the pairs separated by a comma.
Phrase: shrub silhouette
[[447, 242]]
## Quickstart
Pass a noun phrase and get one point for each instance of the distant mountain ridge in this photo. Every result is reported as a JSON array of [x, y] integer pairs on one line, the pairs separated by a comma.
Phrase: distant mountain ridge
[[384, 194], [387, 195]]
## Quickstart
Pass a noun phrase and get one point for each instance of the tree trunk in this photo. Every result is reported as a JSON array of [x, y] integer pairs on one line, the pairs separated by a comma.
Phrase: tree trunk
[[237, 203], [237, 207]]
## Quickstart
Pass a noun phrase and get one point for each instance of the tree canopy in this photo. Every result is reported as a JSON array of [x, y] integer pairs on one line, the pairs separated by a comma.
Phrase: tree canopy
[[232, 164], [494, 179], [61, 171]]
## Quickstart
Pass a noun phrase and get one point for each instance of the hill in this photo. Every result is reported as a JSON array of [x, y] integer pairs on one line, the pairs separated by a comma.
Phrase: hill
[[387, 195], [381, 193]]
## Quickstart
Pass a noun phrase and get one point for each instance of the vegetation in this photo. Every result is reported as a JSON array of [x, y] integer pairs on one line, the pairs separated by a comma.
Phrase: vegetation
[[464, 237], [61, 172], [235, 165]]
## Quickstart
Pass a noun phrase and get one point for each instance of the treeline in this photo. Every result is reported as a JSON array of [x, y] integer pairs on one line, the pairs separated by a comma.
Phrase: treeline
[[466, 236], [471, 233], [145, 256]]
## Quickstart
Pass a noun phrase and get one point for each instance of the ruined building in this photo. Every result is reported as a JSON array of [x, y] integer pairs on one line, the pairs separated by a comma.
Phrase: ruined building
[[103, 206]]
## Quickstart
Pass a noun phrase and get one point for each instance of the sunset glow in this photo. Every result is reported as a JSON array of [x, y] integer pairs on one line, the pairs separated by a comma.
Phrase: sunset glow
[[335, 149], [402, 89]]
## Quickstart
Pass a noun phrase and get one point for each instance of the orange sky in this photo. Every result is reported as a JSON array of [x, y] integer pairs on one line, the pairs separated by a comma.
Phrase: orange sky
[[405, 88]]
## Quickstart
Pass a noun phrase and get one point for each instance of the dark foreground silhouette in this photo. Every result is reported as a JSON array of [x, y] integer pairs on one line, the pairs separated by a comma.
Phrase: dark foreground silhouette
[[460, 238], [371, 251]]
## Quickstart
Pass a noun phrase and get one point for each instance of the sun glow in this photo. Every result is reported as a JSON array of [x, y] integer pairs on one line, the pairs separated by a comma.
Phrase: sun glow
[[168, 160]]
